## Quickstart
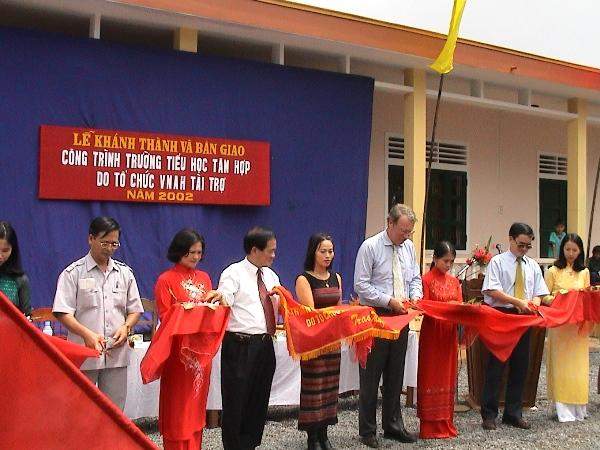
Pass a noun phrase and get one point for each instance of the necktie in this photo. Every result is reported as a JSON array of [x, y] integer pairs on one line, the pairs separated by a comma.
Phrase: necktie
[[519, 280], [266, 303], [397, 275]]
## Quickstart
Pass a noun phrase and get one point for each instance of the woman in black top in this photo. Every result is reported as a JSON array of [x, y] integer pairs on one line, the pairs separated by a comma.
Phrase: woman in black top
[[319, 287]]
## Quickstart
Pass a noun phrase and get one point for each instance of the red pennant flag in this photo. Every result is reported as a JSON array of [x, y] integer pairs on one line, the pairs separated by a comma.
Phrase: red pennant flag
[[313, 332], [47, 402]]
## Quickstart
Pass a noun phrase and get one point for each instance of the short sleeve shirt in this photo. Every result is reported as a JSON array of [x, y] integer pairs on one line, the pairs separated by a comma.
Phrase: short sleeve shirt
[[238, 283], [99, 301], [501, 274]]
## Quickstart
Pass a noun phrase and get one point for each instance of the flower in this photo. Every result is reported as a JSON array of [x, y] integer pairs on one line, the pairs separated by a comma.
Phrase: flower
[[481, 255]]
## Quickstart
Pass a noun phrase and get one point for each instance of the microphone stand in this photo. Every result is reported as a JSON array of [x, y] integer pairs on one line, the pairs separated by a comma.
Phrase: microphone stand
[[458, 406]]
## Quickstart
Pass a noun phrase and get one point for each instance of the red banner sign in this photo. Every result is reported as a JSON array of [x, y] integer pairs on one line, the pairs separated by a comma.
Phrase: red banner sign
[[94, 164]]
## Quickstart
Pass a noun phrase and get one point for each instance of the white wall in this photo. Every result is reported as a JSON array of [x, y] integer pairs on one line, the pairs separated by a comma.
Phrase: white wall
[[502, 171]]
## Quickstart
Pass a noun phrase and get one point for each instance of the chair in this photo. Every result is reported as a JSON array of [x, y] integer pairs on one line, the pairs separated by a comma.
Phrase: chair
[[40, 315], [149, 307]]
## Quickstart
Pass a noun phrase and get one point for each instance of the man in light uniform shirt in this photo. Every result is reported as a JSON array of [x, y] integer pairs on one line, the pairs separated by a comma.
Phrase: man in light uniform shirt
[[97, 299], [247, 353], [512, 280]]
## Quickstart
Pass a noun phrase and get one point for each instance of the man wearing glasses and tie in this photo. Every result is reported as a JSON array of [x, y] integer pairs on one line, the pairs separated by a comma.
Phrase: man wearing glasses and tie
[[97, 299], [386, 273], [511, 282]]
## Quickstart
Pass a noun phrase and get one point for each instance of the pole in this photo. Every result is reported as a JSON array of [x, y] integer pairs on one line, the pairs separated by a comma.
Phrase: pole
[[428, 174]]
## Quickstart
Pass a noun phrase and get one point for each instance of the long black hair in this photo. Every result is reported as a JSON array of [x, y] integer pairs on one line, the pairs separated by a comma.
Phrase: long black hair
[[579, 263], [313, 244], [441, 249], [12, 266]]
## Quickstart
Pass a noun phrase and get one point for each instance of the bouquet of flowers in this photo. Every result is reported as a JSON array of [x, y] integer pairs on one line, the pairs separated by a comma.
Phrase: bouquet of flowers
[[481, 255], [480, 258]]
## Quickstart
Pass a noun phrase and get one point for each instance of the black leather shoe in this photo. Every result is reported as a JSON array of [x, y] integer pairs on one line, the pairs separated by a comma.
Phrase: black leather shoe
[[488, 424], [324, 440], [400, 436], [516, 422], [370, 441]]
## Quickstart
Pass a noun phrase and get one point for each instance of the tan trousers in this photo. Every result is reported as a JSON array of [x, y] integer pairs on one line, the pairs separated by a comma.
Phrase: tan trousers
[[113, 382]]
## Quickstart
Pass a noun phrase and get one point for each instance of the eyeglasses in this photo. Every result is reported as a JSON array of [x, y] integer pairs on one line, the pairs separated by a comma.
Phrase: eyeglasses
[[106, 244], [524, 246], [196, 253]]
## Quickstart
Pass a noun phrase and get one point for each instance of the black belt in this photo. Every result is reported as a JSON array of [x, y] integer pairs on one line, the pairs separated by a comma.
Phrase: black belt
[[506, 310], [245, 338]]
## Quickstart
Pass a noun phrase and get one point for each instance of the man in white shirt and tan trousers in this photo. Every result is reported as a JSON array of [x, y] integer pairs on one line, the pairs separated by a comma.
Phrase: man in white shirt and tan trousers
[[247, 353], [97, 299]]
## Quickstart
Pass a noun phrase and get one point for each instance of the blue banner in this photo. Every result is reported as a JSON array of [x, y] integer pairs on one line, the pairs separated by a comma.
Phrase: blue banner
[[318, 125]]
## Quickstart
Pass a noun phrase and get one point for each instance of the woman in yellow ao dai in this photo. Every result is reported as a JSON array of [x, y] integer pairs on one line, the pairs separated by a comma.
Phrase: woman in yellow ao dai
[[567, 350]]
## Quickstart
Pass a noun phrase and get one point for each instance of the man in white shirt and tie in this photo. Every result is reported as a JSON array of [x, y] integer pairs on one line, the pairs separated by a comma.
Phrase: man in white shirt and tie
[[512, 280], [247, 353], [386, 273]]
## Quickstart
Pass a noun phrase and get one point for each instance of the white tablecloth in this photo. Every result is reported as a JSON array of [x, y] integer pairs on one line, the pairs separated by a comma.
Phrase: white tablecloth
[[142, 400], [285, 389]]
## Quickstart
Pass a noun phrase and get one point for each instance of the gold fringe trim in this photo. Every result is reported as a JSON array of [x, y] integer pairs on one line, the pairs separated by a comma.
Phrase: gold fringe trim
[[349, 340], [328, 348]]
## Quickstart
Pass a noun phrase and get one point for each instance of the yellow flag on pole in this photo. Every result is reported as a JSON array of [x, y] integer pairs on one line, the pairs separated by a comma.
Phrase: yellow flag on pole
[[443, 63]]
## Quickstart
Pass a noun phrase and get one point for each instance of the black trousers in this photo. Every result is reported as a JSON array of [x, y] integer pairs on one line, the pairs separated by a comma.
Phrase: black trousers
[[517, 372], [387, 359], [247, 368]]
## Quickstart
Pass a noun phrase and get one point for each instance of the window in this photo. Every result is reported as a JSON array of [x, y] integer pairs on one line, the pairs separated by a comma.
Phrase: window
[[447, 210], [552, 171]]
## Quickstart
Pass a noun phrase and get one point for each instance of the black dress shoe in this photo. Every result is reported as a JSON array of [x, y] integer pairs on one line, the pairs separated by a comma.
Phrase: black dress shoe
[[516, 422], [370, 441], [488, 424], [400, 436]]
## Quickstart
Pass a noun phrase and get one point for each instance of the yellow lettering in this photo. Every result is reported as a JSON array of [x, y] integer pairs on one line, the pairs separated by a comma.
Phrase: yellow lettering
[[139, 194]]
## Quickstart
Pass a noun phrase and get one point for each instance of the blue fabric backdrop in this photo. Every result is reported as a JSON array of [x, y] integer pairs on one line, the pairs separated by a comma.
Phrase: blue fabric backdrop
[[318, 124]]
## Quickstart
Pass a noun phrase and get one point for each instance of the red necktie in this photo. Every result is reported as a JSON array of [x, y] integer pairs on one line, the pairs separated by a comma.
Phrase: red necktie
[[266, 303]]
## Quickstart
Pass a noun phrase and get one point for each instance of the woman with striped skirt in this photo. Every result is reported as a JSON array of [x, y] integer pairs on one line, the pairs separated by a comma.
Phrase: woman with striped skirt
[[319, 287]]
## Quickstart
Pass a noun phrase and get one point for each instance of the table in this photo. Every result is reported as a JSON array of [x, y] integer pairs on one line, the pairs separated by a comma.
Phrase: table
[[142, 400]]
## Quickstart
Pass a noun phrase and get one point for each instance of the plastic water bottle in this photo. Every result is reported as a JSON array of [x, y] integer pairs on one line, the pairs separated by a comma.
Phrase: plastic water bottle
[[47, 328]]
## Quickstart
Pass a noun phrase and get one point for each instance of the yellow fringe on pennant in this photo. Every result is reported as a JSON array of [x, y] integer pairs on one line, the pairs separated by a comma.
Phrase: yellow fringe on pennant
[[284, 310]]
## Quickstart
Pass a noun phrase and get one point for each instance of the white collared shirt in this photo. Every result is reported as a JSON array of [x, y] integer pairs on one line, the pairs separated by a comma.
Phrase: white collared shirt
[[239, 286], [501, 273]]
